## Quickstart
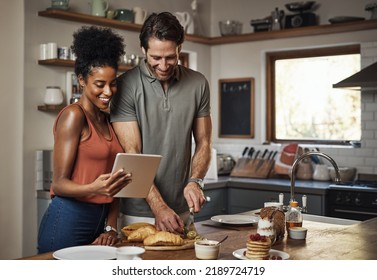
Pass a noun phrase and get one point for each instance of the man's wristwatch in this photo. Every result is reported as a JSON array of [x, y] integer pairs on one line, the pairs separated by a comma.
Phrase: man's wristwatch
[[110, 229], [198, 181]]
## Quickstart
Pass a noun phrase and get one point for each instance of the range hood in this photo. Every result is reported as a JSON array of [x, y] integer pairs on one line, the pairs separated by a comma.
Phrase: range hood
[[365, 79]]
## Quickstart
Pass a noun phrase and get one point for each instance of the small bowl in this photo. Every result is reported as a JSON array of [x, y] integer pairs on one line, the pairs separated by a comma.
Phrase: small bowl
[[230, 27], [297, 232], [207, 249], [347, 174]]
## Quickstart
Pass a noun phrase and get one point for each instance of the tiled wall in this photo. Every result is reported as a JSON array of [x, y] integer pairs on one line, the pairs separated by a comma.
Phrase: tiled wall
[[363, 158]]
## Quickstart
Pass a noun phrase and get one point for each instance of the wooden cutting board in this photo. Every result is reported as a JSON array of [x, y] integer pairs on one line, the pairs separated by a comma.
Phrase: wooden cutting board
[[188, 244]]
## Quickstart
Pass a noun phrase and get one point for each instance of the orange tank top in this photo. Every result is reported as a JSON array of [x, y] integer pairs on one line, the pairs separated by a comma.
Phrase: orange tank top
[[95, 156]]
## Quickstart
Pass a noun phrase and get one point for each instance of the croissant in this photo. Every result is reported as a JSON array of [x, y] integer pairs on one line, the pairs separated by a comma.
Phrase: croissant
[[141, 233], [163, 238], [127, 230]]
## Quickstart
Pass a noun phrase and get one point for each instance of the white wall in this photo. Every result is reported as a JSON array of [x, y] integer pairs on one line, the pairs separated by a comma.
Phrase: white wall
[[11, 127], [25, 129]]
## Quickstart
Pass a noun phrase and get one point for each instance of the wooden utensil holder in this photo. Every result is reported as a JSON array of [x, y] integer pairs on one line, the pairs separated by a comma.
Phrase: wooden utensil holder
[[253, 168]]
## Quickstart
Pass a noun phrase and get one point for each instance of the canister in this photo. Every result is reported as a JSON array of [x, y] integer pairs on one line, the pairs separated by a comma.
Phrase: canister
[[53, 96]]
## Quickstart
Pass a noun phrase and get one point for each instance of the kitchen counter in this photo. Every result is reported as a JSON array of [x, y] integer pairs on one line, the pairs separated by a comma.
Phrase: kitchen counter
[[313, 187], [327, 239]]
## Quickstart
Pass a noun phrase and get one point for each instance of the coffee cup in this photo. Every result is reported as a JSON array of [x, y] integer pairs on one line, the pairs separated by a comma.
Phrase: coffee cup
[[125, 15], [140, 15], [129, 253]]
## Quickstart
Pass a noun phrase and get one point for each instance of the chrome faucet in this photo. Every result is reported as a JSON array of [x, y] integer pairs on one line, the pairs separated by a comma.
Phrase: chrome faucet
[[308, 154]]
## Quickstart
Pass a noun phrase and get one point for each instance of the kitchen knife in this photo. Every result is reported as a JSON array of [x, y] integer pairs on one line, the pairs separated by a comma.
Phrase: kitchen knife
[[274, 155], [250, 153], [270, 155], [264, 153], [261, 160], [244, 151]]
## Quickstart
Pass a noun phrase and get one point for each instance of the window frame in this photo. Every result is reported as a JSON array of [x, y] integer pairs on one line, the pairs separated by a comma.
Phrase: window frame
[[271, 57]]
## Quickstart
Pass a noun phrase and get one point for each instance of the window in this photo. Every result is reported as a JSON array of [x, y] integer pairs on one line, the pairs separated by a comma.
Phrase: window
[[302, 106]]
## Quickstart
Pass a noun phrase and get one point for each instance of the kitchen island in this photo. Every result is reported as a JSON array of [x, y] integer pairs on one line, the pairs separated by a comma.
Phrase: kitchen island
[[327, 239]]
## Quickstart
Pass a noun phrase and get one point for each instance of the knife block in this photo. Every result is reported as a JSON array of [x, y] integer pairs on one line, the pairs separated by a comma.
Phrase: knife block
[[253, 168]]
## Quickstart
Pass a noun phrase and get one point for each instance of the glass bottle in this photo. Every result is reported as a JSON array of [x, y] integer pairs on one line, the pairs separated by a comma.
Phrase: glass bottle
[[293, 217]]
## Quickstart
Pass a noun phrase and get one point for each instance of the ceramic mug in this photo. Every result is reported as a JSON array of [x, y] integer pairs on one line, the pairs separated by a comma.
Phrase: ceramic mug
[[129, 253], [125, 15], [140, 15], [99, 7]]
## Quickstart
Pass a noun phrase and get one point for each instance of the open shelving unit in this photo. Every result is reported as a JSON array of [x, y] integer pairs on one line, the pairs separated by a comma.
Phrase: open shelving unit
[[246, 37]]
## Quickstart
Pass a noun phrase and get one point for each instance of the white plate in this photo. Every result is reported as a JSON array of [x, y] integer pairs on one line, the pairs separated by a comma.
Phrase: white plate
[[88, 252], [235, 219], [239, 254]]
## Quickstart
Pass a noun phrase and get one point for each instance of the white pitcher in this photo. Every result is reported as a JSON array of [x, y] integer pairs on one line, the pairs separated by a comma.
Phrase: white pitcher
[[140, 15], [99, 7], [184, 19]]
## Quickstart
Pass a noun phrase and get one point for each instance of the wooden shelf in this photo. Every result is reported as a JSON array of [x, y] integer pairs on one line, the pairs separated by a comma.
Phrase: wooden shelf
[[71, 63], [50, 108], [247, 37]]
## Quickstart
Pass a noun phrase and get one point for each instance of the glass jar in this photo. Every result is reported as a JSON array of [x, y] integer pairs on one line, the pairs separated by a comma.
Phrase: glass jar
[[293, 217]]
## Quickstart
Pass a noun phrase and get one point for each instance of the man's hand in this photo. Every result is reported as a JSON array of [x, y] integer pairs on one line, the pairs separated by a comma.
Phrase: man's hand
[[194, 196], [167, 220]]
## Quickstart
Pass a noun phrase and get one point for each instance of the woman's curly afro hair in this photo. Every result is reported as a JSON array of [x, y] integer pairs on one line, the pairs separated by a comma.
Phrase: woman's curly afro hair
[[96, 47]]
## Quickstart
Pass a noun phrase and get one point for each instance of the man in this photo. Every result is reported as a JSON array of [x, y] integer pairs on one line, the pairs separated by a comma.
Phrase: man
[[159, 106]]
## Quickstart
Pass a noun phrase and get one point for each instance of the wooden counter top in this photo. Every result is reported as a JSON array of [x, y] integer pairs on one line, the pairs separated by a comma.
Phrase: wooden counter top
[[324, 241]]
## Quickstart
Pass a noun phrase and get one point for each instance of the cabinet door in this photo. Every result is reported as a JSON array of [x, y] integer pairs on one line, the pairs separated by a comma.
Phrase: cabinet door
[[241, 200], [215, 205]]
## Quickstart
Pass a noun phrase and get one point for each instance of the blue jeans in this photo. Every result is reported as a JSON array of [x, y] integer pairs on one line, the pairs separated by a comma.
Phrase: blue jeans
[[69, 222]]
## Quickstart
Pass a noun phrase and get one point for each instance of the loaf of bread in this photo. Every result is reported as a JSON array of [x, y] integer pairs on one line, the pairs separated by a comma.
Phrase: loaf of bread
[[163, 238], [141, 233], [277, 216]]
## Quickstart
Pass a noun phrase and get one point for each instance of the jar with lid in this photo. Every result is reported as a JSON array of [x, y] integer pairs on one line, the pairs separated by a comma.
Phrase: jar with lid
[[293, 217], [53, 96]]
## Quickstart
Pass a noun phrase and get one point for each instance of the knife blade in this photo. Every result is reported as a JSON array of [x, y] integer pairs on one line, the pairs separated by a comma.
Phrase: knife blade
[[190, 220]]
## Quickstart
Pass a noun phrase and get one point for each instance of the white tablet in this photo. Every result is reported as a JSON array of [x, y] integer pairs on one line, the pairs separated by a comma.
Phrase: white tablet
[[143, 168]]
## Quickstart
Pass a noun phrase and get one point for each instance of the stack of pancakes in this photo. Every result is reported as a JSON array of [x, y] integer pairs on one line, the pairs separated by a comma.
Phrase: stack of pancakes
[[258, 247]]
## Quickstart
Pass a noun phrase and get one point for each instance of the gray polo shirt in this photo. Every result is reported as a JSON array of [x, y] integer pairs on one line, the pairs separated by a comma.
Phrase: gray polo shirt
[[165, 121]]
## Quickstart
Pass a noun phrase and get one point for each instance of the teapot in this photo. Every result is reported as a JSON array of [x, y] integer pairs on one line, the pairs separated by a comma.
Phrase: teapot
[[184, 19], [99, 7]]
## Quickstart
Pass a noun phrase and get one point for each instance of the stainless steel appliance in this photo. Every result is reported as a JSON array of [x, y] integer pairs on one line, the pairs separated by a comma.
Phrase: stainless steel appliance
[[353, 200], [225, 164]]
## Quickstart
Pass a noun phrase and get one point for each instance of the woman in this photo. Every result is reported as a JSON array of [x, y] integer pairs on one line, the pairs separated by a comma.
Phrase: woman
[[83, 210]]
